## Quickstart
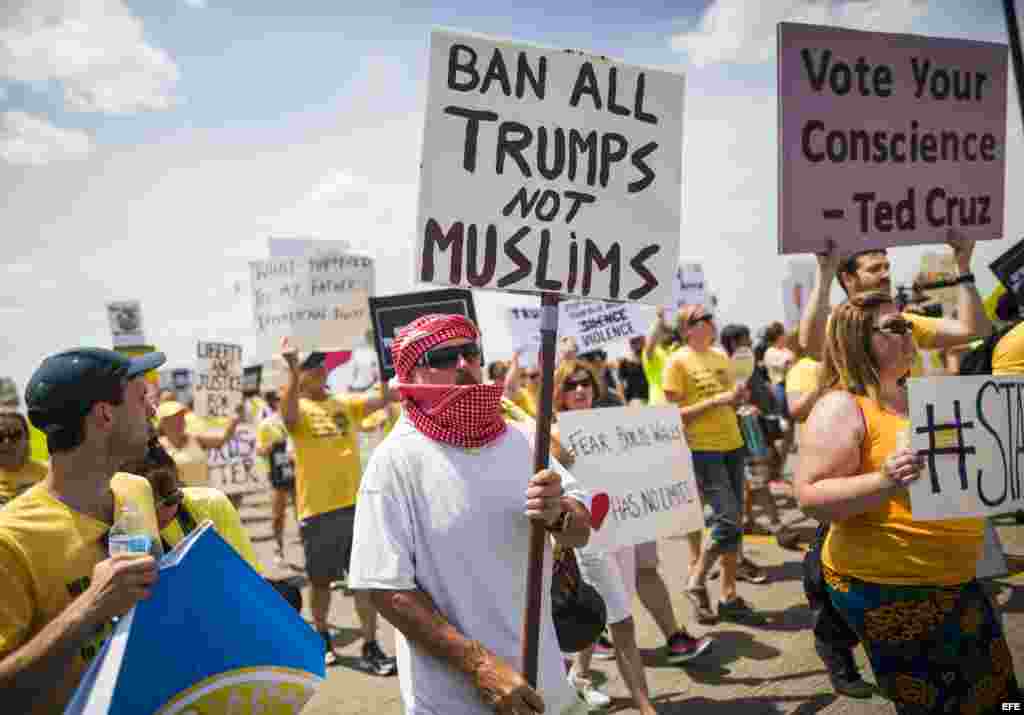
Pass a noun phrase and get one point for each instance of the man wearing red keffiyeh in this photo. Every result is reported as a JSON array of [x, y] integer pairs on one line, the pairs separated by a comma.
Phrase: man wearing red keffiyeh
[[441, 537]]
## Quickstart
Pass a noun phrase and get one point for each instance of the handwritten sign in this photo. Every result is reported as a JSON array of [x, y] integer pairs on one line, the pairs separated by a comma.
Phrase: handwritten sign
[[233, 467], [540, 164], [218, 386], [970, 431], [391, 313], [596, 324], [522, 325], [887, 139], [688, 286], [125, 318], [318, 301], [636, 461]]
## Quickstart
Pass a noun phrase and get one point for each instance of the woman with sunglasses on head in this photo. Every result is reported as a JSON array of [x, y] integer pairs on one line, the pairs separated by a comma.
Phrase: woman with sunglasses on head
[[613, 574], [906, 587], [17, 471]]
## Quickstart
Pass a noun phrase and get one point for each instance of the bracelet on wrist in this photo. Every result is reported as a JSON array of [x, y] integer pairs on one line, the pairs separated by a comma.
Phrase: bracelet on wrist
[[966, 278]]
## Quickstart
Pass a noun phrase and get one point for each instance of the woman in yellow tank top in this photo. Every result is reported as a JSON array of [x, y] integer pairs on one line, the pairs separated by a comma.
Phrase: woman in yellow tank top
[[906, 587]]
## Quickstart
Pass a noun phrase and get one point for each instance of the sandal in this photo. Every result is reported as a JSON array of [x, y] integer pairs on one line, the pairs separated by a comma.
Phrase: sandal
[[747, 570], [701, 602]]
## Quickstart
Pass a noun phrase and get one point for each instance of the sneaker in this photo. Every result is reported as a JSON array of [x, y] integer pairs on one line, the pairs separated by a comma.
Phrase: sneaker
[[683, 647], [788, 539], [604, 649], [330, 657], [747, 570], [842, 670], [375, 661], [587, 691], [739, 611]]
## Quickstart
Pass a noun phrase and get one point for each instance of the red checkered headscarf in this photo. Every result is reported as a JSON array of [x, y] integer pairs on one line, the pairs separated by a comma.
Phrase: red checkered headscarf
[[466, 416]]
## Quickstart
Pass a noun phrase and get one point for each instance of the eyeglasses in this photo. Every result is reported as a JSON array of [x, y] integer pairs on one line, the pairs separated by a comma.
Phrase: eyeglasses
[[707, 316], [572, 383], [898, 326], [447, 358], [173, 499], [12, 435]]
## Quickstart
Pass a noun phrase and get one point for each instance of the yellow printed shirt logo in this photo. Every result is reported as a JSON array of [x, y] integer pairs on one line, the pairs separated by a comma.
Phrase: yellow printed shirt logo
[[246, 691], [325, 423]]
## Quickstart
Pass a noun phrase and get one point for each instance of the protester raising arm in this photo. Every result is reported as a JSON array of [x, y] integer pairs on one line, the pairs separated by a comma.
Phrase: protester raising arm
[[658, 332], [290, 402], [216, 440], [815, 316]]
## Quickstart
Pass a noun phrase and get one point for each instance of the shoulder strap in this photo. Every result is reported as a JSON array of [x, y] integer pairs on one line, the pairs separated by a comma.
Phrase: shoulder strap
[[185, 520]]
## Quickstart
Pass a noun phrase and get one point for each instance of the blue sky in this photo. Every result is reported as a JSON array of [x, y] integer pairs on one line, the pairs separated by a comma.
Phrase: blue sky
[[147, 149]]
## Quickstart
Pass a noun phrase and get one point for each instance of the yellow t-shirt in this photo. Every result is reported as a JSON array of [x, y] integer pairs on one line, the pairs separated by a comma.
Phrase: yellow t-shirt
[[270, 431], [1008, 355], [327, 468], [13, 483], [47, 555], [207, 503], [654, 368], [886, 545], [697, 377], [38, 451], [192, 460], [803, 376]]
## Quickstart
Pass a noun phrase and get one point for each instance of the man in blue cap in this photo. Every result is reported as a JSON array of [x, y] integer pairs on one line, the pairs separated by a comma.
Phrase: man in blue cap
[[60, 590]]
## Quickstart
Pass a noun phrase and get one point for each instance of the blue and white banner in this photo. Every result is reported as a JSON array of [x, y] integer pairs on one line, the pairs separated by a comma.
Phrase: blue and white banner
[[213, 637]]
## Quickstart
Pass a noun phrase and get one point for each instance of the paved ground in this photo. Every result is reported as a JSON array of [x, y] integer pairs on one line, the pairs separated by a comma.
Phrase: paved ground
[[770, 669]]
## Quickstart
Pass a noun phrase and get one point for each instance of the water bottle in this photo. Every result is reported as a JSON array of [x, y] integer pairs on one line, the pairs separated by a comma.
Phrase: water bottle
[[753, 435], [128, 535]]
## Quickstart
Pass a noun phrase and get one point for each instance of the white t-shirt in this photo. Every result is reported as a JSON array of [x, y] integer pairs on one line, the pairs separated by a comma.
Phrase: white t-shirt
[[450, 521], [778, 360]]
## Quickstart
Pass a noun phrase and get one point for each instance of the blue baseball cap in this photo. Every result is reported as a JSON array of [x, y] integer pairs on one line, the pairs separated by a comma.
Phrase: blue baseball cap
[[66, 385]]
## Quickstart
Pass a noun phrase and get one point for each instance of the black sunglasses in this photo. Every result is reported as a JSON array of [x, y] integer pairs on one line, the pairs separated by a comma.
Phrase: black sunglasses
[[707, 316], [12, 435], [447, 358], [173, 499], [899, 326], [571, 384]]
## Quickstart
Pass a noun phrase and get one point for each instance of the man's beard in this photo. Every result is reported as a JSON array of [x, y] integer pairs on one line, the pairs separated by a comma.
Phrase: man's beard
[[465, 377]]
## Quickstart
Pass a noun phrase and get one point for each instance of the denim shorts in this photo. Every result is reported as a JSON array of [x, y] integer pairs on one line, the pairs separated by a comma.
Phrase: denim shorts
[[720, 478]]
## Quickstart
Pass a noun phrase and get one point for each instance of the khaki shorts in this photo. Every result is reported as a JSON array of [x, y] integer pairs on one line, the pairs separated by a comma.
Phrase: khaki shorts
[[647, 555]]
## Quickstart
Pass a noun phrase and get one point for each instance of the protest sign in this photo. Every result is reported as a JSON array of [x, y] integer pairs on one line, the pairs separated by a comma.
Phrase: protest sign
[[125, 318], [637, 466], [317, 302], [233, 467], [888, 139], [392, 312], [796, 289], [688, 285], [252, 379], [212, 637], [539, 165], [522, 325], [595, 324], [968, 430], [299, 247], [218, 379], [1009, 268]]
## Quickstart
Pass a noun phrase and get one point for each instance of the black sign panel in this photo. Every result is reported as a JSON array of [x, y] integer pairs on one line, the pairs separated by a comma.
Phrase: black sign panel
[[1009, 269], [390, 313]]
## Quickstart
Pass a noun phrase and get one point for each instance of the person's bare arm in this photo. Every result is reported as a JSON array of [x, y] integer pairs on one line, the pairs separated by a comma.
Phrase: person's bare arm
[[414, 614], [814, 320], [216, 440], [117, 585], [387, 396], [971, 322], [658, 332], [827, 485], [730, 398], [801, 403], [290, 401]]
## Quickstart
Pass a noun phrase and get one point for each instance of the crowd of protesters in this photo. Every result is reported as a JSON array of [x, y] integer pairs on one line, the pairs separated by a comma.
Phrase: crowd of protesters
[[432, 534]]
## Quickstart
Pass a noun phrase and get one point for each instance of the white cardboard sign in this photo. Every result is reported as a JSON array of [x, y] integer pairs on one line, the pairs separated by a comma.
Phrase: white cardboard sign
[[522, 324], [320, 302], [125, 318], [217, 389], [547, 170], [233, 466], [638, 469], [969, 431], [595, 325], [688, 286], [888, 139]]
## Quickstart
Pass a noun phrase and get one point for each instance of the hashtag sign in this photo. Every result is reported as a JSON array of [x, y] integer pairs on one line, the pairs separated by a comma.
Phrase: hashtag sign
[[960, 449]]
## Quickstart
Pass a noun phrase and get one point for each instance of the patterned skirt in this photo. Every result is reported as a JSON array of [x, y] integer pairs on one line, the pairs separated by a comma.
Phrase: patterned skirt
[[934, 649]]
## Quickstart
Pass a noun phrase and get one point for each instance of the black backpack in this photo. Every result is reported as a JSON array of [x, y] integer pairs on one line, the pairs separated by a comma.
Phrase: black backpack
[[978, 361]]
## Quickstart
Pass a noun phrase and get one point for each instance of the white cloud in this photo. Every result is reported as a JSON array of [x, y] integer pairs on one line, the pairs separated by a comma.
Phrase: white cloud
[[744, 31], [95, 48], [32, 140]]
